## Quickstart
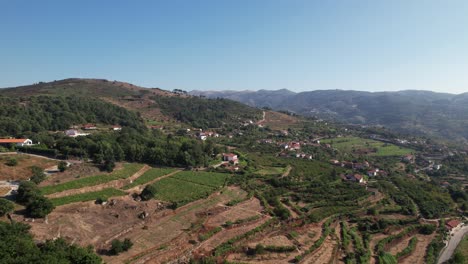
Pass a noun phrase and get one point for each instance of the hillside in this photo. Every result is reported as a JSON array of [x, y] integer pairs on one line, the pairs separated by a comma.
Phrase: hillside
[[96, 98], [421, 112]]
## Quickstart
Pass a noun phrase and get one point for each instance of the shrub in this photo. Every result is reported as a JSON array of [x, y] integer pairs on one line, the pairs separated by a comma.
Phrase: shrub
[[148, 193], [62, 166], [12, 162], [120, 246]]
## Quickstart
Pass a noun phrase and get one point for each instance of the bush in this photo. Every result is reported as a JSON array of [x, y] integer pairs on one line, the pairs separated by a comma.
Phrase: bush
[[148, 193], [120, 246], [12, 162], [62, 166], [427, 229], [5, 206]]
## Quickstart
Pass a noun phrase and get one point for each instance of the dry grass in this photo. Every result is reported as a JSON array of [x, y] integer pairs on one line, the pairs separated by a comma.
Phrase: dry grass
[[22, 171]]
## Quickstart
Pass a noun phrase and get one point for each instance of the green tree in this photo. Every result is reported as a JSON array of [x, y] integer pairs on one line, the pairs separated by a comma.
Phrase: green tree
[[40, 207], [38, 174], [6, 206], [27, 191]]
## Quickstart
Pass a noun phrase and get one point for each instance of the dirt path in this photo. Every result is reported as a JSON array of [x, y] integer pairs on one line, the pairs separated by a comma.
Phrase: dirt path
[[323, 254], [112, 184], [420, 250]]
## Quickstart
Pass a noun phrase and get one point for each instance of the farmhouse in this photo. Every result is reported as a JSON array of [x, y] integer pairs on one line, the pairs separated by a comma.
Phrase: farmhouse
[[18, 142], [89, 127], [116, 128], [452, 224], [352, 178], [75, 133], [230, 157]]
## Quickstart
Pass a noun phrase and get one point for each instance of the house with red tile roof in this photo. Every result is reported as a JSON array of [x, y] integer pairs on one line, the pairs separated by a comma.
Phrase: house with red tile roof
[[17, 141]]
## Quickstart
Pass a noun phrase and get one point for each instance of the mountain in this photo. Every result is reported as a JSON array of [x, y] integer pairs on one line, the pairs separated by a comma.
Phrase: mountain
[[411, 111], [57, 105]]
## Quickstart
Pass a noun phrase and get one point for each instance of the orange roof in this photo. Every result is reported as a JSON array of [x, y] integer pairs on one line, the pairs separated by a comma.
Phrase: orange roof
[[13, 140], [452, 223]]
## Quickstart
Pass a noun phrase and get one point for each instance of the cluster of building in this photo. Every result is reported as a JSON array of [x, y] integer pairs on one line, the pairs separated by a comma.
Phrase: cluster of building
[[362, 166], [75, 132]]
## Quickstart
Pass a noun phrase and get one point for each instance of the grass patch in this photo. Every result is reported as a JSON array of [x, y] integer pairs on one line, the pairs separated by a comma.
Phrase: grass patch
[[127, 171], [90, 196], [376, 148], [271, 171], [211, 179], [188, 186], [148, 176]]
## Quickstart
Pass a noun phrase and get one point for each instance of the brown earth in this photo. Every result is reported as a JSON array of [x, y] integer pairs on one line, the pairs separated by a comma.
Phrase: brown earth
[[112, 184], [163, 235], [277, 120], [22, 171], [78, 170]]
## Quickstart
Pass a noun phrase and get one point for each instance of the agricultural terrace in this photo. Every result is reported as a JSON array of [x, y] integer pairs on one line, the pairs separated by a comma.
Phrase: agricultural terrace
[[128, 170], [148, 176], [90, 196], [188, 186], [366, 146]]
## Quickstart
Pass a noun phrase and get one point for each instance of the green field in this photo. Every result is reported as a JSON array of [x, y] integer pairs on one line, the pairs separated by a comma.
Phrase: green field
[[149, 176], [353, 144], [271, 171], [462, 248], [188, 186], [83, 197], [210, 179], [127, 171]]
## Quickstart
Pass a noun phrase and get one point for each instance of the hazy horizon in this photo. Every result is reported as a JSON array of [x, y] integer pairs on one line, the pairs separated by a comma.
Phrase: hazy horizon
[[220, 45]]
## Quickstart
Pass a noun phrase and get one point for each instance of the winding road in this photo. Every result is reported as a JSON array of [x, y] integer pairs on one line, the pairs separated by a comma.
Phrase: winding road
[[452, 244]]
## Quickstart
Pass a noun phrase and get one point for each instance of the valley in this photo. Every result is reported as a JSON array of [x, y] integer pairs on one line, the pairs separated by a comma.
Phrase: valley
[[187, 179]]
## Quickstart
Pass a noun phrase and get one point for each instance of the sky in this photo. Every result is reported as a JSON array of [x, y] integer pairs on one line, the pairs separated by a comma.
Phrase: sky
[[300, 45]]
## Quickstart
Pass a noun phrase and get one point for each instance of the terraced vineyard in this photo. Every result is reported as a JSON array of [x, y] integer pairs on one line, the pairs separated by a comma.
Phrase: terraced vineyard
[[188, 186], [90, 196], [127, 171], [148, 176]]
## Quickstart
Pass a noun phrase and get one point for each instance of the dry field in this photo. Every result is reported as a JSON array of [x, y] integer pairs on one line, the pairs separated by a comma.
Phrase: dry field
[[163, 235], [22, 171]]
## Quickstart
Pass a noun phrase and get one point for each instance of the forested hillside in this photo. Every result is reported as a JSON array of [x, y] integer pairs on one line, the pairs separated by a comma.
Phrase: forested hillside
[[108, 102], [420, 112], [19, 115]]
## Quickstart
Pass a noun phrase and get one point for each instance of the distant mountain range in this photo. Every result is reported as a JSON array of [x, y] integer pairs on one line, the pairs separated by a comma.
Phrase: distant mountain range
[[411, 111]]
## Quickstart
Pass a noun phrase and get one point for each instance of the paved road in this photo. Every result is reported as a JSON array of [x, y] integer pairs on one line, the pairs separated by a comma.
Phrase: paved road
[[448, 251]]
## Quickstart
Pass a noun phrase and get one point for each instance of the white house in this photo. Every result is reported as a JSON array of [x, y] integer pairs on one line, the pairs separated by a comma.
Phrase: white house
[[74, 133], [18, 141]]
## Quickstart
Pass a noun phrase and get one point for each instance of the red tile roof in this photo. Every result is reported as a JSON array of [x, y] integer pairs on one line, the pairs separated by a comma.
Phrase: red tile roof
[[452, 224], [13, 140]]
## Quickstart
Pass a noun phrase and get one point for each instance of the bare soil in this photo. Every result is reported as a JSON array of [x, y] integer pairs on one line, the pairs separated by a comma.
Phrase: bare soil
[[22, 171], [75, 171]]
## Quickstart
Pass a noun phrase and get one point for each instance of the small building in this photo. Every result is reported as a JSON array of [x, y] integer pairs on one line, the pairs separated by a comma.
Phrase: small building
[[202, 136], [373, 172], [408, 158], [75, 133], [89, 127], [353, 178], [452, 224], [116, 128], [230, 157], [21, 142], [161, 128]]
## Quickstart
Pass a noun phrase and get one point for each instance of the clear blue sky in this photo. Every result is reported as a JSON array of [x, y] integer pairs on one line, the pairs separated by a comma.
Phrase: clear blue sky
[[370, 45]]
